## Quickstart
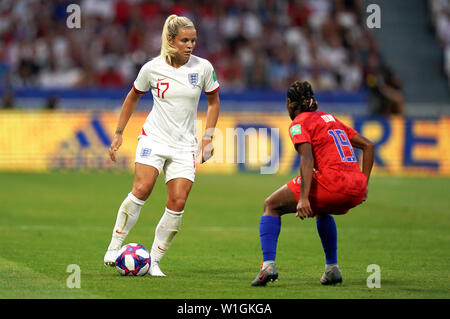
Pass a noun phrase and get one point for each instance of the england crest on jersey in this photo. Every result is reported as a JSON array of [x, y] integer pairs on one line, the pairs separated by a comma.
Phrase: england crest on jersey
[[193, 78]]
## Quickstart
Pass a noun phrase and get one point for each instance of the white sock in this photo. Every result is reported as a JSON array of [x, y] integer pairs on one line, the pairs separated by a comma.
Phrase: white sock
[[267, 263], [165, 231], [127, 217]]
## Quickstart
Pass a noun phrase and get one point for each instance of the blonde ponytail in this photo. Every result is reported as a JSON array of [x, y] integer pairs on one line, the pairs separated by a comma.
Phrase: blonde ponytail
[[170, 30]]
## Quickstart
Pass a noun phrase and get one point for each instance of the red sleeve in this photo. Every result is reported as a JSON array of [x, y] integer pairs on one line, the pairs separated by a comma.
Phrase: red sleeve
[[298, 133], [348, 130]]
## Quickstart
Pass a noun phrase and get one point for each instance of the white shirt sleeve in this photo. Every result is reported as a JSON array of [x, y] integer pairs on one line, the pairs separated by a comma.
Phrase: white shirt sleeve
[[210, 84], [142, 83]]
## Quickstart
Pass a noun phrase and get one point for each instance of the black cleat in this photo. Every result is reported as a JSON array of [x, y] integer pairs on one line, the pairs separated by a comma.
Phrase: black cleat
[[265, 275]]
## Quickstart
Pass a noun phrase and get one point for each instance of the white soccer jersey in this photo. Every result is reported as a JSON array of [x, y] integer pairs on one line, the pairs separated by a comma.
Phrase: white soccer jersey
[[176, 93]]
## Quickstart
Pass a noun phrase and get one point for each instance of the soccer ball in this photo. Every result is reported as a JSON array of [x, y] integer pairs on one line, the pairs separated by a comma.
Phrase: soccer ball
[[133, 260]]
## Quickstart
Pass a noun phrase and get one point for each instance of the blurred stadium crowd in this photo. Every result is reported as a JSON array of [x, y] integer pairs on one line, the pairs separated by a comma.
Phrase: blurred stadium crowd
[[252, 44], [440, 19]]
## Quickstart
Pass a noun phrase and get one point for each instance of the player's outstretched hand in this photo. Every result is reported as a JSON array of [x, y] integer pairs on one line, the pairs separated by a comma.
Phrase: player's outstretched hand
[[304, 209], [115, 144], [207, 149]]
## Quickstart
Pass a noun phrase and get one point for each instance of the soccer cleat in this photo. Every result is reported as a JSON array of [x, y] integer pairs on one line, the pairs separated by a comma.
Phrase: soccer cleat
[[265, 275], [331, 276], [155, 271], [110, 257]]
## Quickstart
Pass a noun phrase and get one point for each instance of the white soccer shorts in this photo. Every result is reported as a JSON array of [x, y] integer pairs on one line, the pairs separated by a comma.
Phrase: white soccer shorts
[[175, 163]]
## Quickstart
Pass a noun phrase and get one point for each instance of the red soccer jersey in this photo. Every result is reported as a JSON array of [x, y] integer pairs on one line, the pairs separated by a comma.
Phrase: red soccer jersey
[[335, 163]]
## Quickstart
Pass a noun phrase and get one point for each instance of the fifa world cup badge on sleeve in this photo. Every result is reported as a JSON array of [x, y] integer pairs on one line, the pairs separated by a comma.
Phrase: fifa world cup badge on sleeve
[[295, 130]]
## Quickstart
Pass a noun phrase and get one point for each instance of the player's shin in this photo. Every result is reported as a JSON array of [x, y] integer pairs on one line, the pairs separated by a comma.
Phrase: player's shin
[[166, 230], [326, 228], [127, 217], [269, 230]]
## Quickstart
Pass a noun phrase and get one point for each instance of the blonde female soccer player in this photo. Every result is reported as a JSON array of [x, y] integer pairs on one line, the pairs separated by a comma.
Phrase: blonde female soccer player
[[168, 140]]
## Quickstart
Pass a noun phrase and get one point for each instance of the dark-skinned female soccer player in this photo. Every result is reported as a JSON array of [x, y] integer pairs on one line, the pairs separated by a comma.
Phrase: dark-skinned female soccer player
[[331, 182]]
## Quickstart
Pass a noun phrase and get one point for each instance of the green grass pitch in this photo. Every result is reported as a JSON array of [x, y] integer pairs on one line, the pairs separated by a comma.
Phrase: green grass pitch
[[49, 221]]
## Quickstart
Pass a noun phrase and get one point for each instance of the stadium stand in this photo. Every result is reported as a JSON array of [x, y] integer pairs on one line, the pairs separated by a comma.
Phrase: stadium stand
[[253, 45]]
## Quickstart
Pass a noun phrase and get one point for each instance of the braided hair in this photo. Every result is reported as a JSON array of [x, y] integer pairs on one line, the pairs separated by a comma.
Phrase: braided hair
[[301, 96]]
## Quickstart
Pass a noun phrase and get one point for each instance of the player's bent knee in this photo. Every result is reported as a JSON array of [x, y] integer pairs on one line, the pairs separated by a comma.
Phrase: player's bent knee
[[271, 207], [142, 190], [267, 204], [176, 204]]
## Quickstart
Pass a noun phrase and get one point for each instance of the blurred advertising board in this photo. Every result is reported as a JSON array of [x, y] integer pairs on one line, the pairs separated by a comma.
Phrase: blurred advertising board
[[248, 142]]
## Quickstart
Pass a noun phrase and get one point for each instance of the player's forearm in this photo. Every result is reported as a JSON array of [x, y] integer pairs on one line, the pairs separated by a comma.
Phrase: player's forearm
[[368, 149], [128, 107], [306, 173], [212, 116], [367, 161]]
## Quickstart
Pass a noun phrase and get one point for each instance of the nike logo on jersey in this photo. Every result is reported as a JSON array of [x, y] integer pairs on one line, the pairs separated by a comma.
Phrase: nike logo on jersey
[[161, 79]]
